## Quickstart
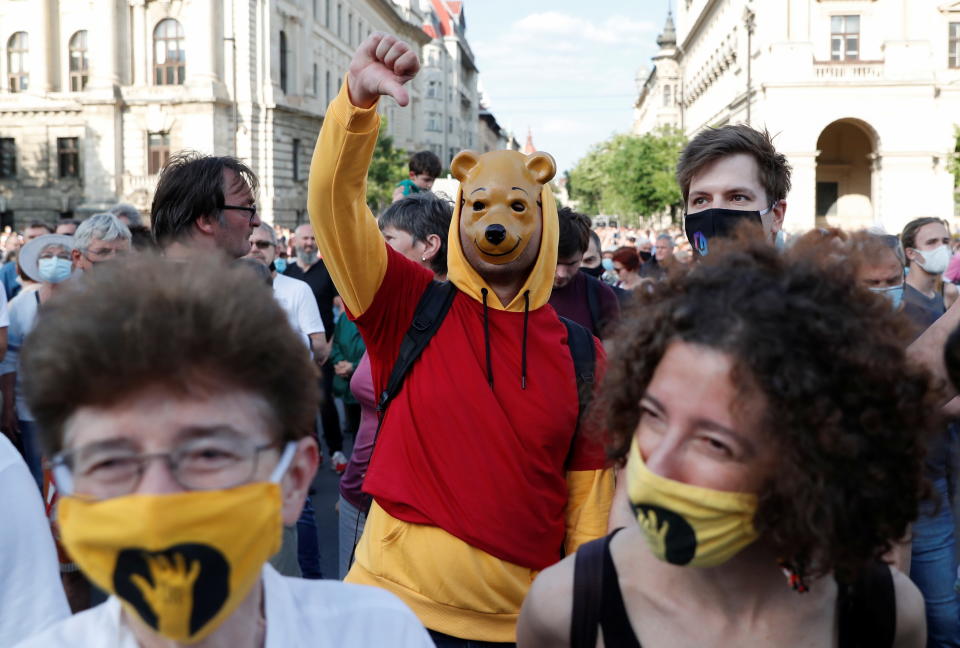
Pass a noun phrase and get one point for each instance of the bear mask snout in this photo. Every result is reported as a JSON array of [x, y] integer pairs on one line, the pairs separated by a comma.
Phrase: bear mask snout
[[495, 234]]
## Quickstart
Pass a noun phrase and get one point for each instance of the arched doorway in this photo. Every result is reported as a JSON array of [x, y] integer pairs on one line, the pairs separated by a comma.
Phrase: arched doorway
[[846, 155]]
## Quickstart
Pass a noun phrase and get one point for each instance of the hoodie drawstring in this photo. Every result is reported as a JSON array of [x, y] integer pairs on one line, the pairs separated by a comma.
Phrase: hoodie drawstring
[[486, 336], [523, 351]]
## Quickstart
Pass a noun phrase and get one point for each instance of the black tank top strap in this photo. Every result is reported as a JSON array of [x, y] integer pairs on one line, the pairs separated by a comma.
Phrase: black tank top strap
[[597, 601], [867, 609]]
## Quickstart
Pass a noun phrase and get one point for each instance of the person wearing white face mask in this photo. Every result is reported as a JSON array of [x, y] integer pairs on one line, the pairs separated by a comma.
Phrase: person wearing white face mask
[[927, 246], [45, 259]]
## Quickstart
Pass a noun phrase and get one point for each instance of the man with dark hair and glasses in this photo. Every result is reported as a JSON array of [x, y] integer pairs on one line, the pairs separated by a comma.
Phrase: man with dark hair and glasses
[[204, 203], [181, 447]]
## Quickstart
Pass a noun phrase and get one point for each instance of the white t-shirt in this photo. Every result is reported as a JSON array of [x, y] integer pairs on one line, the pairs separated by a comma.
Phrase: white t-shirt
[[297, 300], [22, 318], [4, 316], [31, 595], [299, 614]]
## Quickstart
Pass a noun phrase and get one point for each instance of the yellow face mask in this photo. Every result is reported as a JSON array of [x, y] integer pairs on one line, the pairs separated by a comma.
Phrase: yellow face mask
[[182, 562], [688, 525]]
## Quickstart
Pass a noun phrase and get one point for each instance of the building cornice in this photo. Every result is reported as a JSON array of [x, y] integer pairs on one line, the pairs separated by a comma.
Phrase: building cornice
[[698, 24]]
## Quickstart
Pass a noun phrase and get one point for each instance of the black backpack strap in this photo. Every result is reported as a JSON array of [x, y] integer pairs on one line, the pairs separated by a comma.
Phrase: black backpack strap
[[597, 601], [593, 304], [584, 355], [427, 318], [587, 594], [868, 610]]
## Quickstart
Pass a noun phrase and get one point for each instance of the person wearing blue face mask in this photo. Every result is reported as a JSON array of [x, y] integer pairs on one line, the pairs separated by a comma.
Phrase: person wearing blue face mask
[[47, 260], [729, 176]]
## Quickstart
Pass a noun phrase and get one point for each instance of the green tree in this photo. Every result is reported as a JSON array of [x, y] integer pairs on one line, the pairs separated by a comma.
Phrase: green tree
[[387, 168], [954, 165], [629, 175]]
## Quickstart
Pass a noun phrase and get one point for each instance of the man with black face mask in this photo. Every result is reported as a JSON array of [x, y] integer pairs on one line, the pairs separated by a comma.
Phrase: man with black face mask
[[729, 176], [576, 294]]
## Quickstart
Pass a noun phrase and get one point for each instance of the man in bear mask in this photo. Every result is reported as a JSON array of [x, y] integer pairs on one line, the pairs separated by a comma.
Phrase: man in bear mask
[[479, 476]]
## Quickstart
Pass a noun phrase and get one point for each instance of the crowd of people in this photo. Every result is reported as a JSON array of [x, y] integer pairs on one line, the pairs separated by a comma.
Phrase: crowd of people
[[550, 434]]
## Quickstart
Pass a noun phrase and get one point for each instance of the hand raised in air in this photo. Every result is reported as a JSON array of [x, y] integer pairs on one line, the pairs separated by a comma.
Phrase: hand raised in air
[[381, 66]]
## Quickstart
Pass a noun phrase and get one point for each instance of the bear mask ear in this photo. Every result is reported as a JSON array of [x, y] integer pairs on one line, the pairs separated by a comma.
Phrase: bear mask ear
[[542, 166], [462, 164]]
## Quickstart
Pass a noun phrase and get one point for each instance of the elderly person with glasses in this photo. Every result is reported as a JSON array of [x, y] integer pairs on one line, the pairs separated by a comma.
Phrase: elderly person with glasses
[[178, 453], [100, 238]]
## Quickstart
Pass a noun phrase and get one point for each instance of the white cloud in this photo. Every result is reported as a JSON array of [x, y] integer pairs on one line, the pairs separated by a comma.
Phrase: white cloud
[[569, 77]]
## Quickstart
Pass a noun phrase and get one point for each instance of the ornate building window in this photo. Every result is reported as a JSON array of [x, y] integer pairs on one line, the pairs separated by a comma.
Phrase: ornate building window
[[953, 58], [8, 157], [158, 152], [169, 57], [79, 62], [68, 157], [845, 38], [283, 60], [666, 96], [295, 161], [18, 50]]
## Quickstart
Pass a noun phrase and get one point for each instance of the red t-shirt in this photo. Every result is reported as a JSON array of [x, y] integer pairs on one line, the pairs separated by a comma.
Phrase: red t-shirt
[[487, 465]]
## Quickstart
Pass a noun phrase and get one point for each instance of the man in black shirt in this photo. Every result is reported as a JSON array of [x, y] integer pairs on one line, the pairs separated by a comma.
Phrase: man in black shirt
[[309, 267]]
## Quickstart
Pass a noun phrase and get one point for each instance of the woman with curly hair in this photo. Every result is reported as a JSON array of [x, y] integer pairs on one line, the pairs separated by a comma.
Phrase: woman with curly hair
[[771, 432]]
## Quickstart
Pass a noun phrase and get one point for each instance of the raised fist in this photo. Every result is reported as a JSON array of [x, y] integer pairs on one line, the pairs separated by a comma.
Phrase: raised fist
[[380, 66]]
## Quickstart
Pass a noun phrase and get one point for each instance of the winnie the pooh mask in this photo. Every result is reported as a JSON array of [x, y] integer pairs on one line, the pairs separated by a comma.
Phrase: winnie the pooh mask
[[500, 209]]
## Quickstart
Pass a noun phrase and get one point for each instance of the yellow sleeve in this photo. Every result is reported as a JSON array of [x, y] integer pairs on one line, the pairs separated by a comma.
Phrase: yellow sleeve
[[588, 505], [347, 234]]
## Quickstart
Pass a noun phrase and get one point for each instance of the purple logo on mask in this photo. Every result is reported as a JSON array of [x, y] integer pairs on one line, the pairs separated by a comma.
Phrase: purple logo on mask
[[700, 242]]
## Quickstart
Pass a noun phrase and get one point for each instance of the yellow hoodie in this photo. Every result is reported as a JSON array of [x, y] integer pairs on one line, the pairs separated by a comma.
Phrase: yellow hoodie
[[454, 586]]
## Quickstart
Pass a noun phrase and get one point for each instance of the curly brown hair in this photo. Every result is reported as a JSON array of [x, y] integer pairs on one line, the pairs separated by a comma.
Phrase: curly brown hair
[[848, 413]]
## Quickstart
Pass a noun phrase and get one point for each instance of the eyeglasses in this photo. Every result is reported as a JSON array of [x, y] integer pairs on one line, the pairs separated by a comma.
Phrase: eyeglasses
[[209, 463], [261, 245], [251, 210]]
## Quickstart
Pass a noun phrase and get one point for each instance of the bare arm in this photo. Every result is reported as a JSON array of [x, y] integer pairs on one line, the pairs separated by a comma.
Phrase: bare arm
[[950, 293], [911, 621], [927, 350], [3, 342], [320, 347], [547, 611]]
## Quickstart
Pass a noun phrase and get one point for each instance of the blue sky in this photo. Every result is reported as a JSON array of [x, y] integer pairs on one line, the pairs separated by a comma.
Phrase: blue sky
[[564, 69]]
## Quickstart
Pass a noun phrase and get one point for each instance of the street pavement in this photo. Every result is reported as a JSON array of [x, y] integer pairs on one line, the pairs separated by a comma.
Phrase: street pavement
[[324, 499]]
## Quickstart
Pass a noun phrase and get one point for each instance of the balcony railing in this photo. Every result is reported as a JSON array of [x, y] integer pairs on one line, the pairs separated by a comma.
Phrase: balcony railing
[[848, 70]]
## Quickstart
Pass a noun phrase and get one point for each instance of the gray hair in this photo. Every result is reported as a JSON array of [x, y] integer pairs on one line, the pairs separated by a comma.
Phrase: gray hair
[[103, 227], [131, 212], [668, 239], [269, 231]]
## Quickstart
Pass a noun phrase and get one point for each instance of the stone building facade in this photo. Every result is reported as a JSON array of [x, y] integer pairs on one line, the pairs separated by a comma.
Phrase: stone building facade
[[861, 95], [451, 100], [95, 95]]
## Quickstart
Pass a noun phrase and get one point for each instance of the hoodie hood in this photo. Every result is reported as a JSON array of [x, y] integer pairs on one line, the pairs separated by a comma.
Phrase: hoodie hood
[[539, 281]]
